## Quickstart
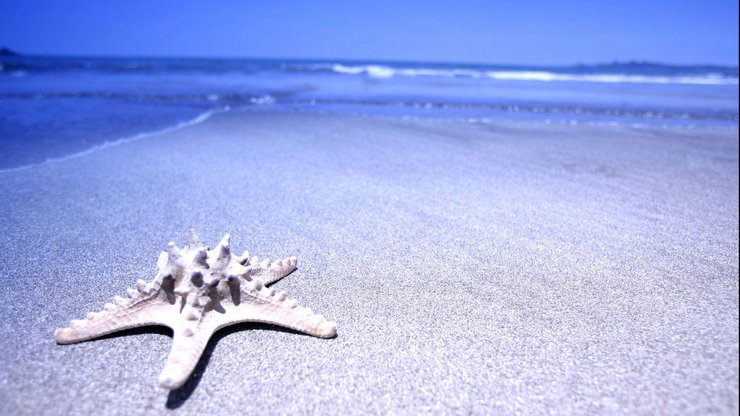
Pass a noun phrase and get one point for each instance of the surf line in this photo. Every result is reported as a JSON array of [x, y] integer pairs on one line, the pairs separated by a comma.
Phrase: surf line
[[187, 123]]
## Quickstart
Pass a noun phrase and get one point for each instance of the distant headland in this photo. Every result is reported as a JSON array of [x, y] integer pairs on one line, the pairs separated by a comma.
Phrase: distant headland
[[8, 52]]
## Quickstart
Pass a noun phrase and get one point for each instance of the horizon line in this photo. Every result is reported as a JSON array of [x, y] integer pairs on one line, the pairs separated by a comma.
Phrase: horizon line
[[361, 60]]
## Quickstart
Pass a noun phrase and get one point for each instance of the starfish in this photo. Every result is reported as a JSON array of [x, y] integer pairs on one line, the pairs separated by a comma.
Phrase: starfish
[[196, 292]]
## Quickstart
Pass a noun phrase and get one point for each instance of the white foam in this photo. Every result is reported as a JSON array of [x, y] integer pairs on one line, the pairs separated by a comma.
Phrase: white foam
[[610, 78], [377, 71], [344, 69], [263, 99], [380, 71], [197, 120]]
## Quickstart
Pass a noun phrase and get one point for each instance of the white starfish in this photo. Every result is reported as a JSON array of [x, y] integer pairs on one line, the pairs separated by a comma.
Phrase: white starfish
[[196, 292]]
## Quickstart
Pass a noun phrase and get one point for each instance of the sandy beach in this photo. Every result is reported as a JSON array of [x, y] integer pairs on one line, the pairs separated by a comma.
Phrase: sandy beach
[[472, 268]]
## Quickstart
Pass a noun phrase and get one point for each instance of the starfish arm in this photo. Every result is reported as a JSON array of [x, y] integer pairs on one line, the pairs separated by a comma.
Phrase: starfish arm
[[139, 309], [188, 343], [265, 305], [270, 271]]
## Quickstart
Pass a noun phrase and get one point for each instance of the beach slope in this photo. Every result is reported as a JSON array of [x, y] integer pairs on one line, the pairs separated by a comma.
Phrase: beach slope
[[471, 268]]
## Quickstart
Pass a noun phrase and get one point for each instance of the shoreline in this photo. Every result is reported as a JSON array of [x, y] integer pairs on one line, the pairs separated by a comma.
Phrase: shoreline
[[291, 108], [116, 142]]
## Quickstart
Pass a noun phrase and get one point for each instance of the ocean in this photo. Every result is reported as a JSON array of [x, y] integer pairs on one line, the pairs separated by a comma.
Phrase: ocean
[[58, 107]]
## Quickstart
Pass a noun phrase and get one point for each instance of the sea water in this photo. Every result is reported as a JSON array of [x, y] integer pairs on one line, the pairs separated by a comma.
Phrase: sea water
[[57, 107]]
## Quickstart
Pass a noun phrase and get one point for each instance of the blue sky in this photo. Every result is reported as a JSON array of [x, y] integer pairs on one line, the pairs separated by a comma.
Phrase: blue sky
[[516, 32]]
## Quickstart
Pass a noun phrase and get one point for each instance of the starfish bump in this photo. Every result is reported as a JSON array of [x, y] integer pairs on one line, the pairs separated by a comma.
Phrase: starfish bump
[[196, 292]]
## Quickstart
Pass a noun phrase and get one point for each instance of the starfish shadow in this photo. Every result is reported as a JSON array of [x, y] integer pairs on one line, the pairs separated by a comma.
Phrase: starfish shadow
[[150, 329], [178, 397]]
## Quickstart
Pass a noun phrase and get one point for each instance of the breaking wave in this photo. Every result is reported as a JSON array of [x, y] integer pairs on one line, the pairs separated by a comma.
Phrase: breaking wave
[[381, 71]]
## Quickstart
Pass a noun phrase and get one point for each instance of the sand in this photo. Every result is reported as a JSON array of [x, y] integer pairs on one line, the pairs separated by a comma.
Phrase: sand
[[472, 268]]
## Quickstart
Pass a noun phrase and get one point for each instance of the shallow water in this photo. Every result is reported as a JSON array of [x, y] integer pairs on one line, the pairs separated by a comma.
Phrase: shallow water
[[54, 107]]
